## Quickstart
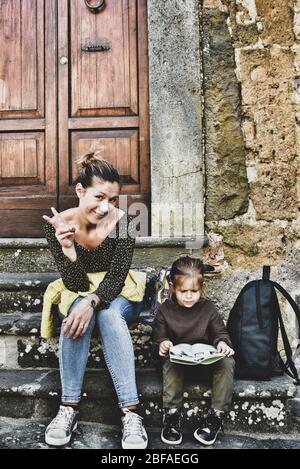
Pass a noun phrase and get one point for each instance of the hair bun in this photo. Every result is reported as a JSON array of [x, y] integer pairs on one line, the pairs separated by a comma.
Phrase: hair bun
[[89, 159]]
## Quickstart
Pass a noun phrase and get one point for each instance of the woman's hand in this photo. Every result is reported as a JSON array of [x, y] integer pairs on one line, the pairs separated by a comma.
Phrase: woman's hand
[[76, 324], [64, 232], [222, 347], [164, 347]]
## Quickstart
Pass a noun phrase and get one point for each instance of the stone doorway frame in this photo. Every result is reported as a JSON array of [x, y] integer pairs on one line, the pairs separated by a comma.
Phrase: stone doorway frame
[[175, 86]]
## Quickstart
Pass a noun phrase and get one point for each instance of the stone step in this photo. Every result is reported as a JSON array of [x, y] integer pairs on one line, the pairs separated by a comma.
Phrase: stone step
[[32, 255], [29, 434], [21, 344], [28, 324], [259, 406], [23, 292], [295, 408], [26, 281]]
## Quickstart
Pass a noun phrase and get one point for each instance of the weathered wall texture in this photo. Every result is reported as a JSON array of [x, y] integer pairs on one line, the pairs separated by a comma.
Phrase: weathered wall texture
[[226, 178], [175, 106], [253, 124]]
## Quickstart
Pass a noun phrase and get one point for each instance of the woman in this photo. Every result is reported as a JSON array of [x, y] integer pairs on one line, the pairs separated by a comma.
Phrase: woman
[[94, 237]]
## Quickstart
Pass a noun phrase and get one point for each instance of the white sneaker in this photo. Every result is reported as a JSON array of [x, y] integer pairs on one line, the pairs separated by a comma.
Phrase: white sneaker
[[59, 431], [134, 435]]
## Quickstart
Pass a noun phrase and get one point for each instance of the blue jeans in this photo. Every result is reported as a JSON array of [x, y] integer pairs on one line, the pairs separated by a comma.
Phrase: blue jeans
[[117, 347]]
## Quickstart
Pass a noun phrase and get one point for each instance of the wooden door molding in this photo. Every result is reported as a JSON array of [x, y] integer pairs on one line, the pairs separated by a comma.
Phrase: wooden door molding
[[106, 106], [28, 150], [58, 100]]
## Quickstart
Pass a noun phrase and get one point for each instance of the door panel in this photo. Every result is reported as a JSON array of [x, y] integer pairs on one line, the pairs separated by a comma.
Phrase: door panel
[[119, 147], [22, 58], [28, 148], [107, 106], [22, 159], [104, 83]]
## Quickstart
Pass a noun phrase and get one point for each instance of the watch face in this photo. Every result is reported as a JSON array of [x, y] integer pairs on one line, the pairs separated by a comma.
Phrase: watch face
[[93, 304]]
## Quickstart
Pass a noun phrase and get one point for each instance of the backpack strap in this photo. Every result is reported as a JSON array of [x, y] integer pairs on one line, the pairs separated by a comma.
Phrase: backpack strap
[[287, 370], [289, 365], [266, 272], [290, 300]]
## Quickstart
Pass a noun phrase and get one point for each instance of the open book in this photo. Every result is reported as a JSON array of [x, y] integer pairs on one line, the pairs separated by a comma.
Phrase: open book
[[197, 354]]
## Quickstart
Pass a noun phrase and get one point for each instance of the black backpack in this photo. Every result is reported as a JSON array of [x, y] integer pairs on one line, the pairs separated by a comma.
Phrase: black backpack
[[253, 328]]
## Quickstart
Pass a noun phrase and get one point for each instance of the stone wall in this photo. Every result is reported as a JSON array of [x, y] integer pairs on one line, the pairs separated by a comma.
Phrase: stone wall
[[252, 126]]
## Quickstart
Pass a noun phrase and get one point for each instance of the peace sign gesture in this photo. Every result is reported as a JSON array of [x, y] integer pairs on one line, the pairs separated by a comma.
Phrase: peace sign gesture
[[64, 233]]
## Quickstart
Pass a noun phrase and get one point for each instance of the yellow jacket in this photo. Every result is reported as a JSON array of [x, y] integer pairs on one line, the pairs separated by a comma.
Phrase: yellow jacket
[[57, 293]]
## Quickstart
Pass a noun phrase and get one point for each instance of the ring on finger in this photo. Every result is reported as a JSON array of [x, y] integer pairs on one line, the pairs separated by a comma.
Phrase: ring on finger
[[81, 326]]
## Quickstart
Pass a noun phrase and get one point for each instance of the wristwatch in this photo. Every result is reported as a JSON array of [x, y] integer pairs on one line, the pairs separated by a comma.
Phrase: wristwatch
[[92, 302]]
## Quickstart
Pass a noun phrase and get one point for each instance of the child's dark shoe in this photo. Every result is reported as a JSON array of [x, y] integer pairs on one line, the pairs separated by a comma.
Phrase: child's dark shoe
[[209, 428], [171, 432]]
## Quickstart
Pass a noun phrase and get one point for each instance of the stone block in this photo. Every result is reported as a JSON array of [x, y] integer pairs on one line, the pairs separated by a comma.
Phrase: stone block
[[267, 21], [26, 259], [227, 186], [267, 94], [274, 192], [32, 352], [243, 22], [21, 345], [276, 21], [251, 245], [27, 302], [17, 408]]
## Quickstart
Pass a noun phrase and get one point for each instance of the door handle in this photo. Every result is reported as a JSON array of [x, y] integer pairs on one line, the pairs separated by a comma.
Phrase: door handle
[[95, 8]]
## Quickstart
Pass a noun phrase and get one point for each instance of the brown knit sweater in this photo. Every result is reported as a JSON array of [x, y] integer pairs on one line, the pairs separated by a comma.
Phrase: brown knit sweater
[[201, 323], [113, 255]]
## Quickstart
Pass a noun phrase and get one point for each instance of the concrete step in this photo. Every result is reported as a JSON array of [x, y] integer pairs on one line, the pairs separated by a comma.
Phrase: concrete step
[[29, 434], [32, 255], [259, 406], [21, 344]]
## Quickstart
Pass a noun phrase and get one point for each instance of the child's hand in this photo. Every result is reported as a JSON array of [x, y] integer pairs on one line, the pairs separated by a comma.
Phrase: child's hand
[[222, 347], [164, 347]]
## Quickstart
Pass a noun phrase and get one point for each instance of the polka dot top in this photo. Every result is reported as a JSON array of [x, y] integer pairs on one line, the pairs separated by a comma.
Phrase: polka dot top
[[113, 255]]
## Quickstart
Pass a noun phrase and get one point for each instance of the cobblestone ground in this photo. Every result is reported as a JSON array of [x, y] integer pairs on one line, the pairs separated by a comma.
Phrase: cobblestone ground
[[25, 434]]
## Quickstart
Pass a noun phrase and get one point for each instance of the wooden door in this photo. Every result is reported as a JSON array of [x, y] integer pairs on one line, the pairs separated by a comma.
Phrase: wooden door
[[28, 115], [103, 92], [70, 81]]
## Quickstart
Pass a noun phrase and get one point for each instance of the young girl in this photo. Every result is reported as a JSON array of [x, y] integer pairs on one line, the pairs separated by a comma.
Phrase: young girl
[[188, 317], [95, 237]]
